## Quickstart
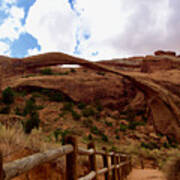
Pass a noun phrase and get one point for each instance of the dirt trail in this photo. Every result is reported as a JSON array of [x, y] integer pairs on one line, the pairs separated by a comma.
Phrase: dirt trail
[[146, 174]]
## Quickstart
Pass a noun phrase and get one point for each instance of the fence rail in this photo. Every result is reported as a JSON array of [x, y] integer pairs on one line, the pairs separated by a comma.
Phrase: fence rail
[[116, 165]]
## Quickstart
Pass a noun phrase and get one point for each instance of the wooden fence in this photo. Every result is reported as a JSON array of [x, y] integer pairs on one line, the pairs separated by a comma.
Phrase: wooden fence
[[116, 166]]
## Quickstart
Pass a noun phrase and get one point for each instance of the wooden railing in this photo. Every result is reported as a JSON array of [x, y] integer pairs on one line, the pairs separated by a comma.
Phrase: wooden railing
[[116, 166]]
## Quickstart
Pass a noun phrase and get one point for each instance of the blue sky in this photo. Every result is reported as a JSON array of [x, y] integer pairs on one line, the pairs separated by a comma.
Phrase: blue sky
[[88, 28]]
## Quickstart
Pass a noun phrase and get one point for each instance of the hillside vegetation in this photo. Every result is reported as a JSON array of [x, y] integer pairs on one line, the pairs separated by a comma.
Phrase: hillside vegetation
[[130, 105]]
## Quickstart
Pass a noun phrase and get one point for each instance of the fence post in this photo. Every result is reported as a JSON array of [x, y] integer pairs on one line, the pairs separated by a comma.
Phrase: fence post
[[71, 159], [118, 169], [1, 166], [106, 164], [114, 171], [129, 169], [142, 163], [92, 159], [123, 173]]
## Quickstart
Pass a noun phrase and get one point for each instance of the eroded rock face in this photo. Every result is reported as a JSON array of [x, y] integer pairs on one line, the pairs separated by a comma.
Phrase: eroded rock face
[[153, 64], [115, 88]]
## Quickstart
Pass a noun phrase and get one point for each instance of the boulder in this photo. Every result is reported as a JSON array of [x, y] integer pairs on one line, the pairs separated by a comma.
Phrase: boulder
[[161, 53]]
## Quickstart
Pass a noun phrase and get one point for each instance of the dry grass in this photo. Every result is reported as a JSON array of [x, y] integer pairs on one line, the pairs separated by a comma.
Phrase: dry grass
[[172, 169], [13, 139]]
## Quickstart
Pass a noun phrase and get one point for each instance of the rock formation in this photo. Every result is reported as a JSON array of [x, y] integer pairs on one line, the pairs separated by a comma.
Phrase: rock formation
[[118, 89]]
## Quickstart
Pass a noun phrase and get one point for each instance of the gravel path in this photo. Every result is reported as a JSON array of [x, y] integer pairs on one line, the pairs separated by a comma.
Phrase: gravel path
[[146, 174]]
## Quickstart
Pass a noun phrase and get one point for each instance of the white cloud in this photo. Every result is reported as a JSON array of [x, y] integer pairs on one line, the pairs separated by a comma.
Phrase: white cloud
[[33, 51], [4, 48], [126, 27], [115, 28], [12, 27], [52, 23]]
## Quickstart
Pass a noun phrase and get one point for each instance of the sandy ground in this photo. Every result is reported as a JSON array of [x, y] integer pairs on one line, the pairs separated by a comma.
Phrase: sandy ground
[[146, 174]]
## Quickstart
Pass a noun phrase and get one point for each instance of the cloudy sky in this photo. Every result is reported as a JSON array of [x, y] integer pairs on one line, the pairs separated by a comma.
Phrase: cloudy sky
[[92, 29]]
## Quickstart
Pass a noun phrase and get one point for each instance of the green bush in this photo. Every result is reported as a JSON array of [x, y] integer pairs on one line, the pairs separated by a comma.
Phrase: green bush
[[134, 124], [18, 112], [166, 145], [73, 70], [8, 96], [104, 138], [90, 137], [108, 123], [63, 135], [88, 112], [150, 145], [101, 73], [68, 106], [81, 105], [5, 110], [46, 71], [75, 115], [99, 107], [30, 106], [116, 131], [62, 73], [56, 134], [87, 123], [172, 142], [95, 130], [32, 123], [123, 127]]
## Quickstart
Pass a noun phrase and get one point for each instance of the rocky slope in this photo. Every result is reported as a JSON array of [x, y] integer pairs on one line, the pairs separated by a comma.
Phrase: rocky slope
[[149, 85]]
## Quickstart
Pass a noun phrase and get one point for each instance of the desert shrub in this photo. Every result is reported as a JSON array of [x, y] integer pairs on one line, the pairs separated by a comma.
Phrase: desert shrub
[[108, 123], [30, 106], [56, 134], [101, 73], [95, 130], [39, 107], [46, 71], [117, 137], [18, 111], [53, 95], [56, 96], [62, 73], [63, 135], [60, 132], [99, 107], [68, 106], [20, 93], [32, 122], [5, 110], [172, 142], [113, 148], [62, 114], [166, 145], [172, 169], [73, 70], [81, 105], [75, 115], [150, 145], [134, 124], [123, 127], [130, 114], [88, 112], [87, 123], [90, 137], [8, 96], [104, 138], [116, 131]]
